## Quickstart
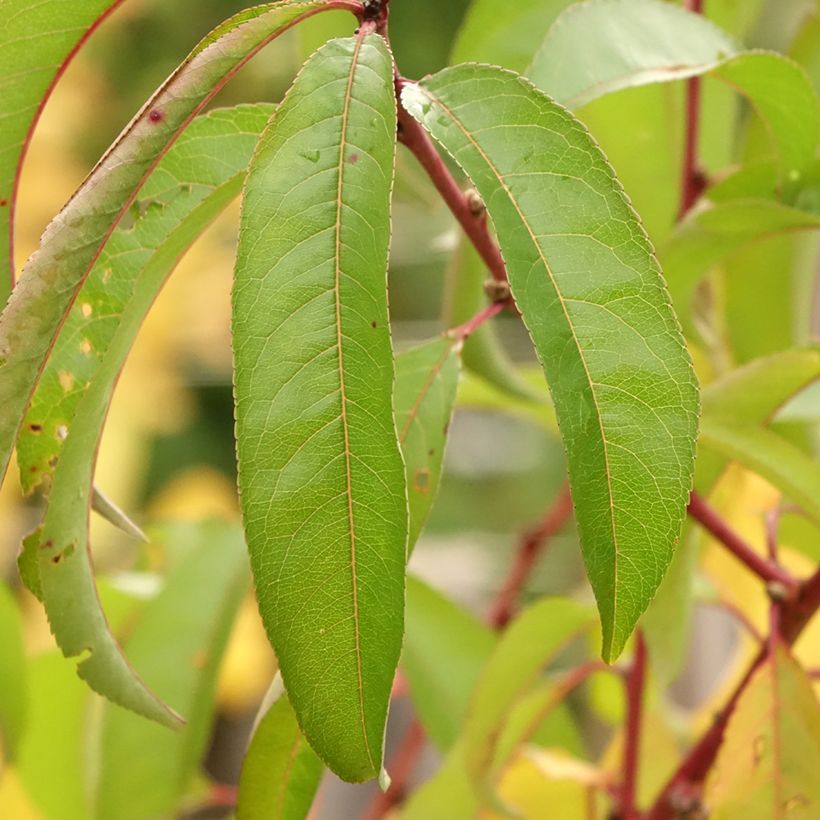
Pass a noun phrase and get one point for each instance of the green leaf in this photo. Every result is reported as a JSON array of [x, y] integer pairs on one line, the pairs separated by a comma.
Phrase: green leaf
[[590, 292], [13, 676], [320, 472], [449, 795], [72, 242], [767, 766], [199, 176], [426, 385], [531, 643], [770, 456], [709, 236], [603, 46], [178, 643], [281, 773], [29, 68], [505, 33], [445, 649]]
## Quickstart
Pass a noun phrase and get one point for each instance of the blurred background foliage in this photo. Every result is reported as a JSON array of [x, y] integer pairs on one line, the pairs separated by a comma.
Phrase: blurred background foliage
[[168, 451]]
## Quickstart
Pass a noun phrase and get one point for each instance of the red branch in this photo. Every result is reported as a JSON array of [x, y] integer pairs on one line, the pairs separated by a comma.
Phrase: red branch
[[472, 219], [709, 518], [484, 315], [632, 743], [692, 180], [532, 545]]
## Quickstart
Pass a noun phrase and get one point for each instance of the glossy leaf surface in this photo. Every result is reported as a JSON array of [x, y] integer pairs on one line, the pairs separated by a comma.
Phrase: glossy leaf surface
[[767, 766], [321, 477], [591, 294], [72, 243], [177, 643], [426, 385], [29, 66], [281, 773]]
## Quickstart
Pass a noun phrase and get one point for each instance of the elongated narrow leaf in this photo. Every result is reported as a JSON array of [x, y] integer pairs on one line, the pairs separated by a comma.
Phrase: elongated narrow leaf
[[602, 46], [37, 42], [73, 241], [445, 649], [13, 674], [281, 773], [320, 473], [771, 456], [177, 643], [530, 644], [591, 294], [199, 176], [768, 763], [426, 385]]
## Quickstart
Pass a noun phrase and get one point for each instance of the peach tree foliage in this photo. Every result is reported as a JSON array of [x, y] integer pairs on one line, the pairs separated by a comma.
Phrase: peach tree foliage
[[340, 442]]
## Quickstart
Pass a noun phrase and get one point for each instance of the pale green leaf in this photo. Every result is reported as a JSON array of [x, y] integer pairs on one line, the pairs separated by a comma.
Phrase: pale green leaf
[[320, 472], [599, 47], [74, 239], [591, 294], [769, 455], [530, 644], [200, 175], [281, 773], [768, 763], [29, 67], [177, 643], [449, 795], [426, 385], [13, 676], [445, 649]]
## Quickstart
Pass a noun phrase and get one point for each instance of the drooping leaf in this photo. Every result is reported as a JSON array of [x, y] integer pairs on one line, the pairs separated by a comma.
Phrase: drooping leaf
[[771, 456], [281, 773], [199, 176], [603, 46], [13, 675], [504, 33], [591, 294], [530, 644], [320, 473], [177, 643], [767, 766], [445, 649], [73, 241], [29, 68], [426, 385]]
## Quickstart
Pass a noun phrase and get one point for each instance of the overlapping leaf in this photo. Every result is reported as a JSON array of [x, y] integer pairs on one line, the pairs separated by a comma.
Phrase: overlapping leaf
[[73, 241], [426, 385], [321, 476], [281, 773], [591, 294], [29, 67]]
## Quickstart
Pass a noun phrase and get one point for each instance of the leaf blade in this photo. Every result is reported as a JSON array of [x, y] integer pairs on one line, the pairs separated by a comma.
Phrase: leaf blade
[[520, 176], [319, 461]]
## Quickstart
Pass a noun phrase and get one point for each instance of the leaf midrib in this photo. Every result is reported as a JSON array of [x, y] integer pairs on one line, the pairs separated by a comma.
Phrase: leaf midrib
[[469, 137], [343, 141], [435, 372]]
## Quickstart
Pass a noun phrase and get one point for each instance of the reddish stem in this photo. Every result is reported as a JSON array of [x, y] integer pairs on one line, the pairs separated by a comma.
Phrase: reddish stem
[[710, 520], [401, 768], [632, 744], [532, 545], [470, 326], [692, 182], [471, 219]]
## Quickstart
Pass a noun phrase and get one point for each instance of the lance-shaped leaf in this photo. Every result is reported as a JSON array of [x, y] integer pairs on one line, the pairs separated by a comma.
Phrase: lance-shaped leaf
[[426, 385], [37, 43], [178, 643], [320, 472], [199, 176], [73, 241], [281, 773], [603, 46], [77, 391], [591, 294], [767, 766]]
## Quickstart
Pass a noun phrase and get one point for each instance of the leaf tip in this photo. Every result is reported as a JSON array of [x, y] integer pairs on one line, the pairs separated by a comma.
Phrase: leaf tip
[[384, 779]]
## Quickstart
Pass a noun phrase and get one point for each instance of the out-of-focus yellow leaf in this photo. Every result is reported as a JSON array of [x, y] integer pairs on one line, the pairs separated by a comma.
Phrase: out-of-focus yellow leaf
[[194, 495], [768, 765], [14, 801]]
